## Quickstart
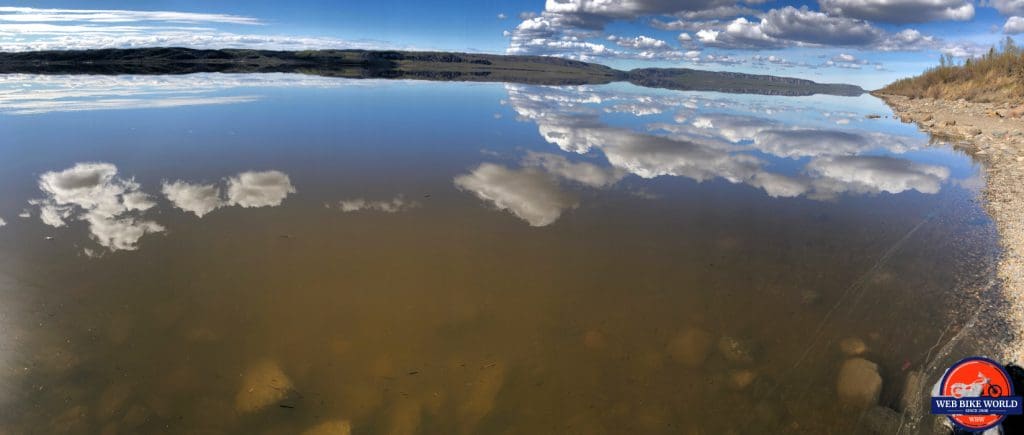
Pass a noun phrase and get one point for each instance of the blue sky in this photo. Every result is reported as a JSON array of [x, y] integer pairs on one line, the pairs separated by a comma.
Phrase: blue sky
[[867, 42]]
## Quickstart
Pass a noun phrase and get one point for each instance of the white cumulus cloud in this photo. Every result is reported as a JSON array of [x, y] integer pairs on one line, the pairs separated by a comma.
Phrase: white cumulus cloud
[[29, 14], [1006, 7], [900, 11], [1014, 25], [27, 29]]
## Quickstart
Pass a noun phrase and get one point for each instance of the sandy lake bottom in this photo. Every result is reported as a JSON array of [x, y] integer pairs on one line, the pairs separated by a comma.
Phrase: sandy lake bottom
[[289, 254]]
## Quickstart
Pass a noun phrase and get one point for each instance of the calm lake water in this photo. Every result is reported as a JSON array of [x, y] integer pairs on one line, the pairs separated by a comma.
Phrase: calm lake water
[[285, 253]]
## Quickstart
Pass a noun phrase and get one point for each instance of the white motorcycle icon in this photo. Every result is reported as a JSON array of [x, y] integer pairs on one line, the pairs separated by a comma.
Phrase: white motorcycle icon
[[978, 388]]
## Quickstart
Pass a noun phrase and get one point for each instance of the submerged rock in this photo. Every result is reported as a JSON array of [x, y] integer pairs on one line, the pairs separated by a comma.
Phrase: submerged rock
[[690, 347], [852, 346], [263, 384], [912, 398], [882, 420], [333, 427], [859, 383], [735, 350], [740, 379]]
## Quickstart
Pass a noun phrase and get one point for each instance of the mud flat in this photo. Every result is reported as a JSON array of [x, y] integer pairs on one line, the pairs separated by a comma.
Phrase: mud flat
[[992, 133]]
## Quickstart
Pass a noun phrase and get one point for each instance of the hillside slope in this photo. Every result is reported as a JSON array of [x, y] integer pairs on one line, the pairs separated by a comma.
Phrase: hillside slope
[[996, 77]]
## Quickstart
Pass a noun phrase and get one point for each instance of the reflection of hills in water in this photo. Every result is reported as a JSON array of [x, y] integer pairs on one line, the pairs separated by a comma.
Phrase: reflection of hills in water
[[439, 66], [710, 139]]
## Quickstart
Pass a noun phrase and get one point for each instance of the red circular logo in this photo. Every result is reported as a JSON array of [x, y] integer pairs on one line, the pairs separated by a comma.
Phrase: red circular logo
[[976, 378]]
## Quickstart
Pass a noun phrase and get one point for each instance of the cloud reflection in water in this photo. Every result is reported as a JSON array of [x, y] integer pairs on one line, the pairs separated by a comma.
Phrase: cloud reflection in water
[[25, 94], [394, 205], [530, 193], [92, 192], [713, 137], [113, 206]]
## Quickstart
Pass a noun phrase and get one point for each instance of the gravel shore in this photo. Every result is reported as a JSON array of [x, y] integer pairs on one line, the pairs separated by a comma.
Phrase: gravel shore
[[994, 135]]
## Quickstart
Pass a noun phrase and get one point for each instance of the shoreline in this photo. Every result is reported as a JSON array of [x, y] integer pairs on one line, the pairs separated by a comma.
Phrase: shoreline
[[992, 134]]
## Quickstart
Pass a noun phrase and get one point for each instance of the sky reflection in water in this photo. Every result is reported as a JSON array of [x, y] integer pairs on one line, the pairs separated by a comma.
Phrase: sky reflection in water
[[787, 147], [533, 254]]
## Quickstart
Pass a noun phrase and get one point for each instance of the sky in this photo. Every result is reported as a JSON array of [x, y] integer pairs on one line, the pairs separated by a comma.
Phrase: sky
[[864, 42]]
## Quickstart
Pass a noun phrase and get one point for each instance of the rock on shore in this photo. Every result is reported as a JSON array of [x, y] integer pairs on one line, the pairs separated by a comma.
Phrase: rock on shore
[[993, 134]]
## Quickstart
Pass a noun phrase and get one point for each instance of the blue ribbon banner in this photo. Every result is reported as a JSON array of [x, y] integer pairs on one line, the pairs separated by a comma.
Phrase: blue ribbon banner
[[1010, 405]]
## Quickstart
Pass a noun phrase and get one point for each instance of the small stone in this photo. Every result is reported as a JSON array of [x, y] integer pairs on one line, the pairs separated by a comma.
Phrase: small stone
[[735, 350], [690, 347], [859, 383], [950, 122], [852, 346], [740, 379]]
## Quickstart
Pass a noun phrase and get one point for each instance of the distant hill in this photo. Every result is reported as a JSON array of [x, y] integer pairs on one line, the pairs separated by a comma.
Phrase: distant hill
[[442, 66]]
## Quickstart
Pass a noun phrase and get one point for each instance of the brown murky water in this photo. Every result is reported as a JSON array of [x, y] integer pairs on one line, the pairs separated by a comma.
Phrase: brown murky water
[[280, 254]]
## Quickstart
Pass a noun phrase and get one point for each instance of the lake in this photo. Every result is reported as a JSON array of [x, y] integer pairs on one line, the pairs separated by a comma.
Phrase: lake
[[282, 253]]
